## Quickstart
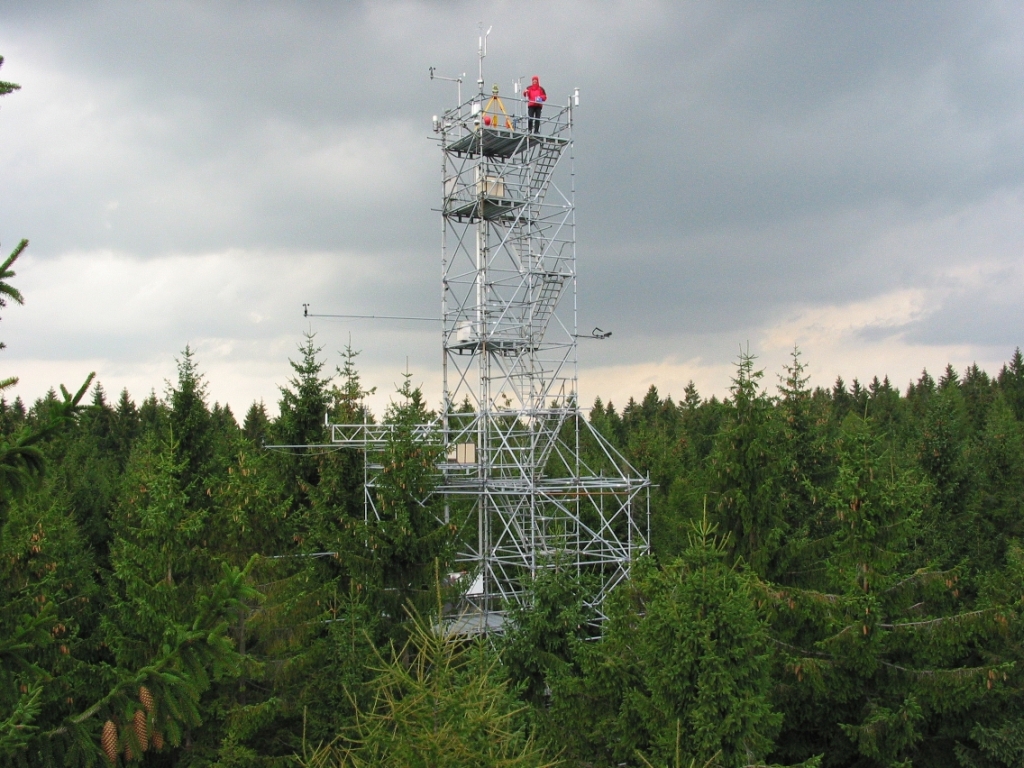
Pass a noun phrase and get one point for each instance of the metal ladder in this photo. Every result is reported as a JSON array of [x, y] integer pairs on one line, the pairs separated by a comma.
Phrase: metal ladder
[[551, 284], [541, 168]]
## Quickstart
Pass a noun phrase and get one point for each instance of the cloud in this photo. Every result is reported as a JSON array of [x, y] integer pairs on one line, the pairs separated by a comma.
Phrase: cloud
[[846, 177]]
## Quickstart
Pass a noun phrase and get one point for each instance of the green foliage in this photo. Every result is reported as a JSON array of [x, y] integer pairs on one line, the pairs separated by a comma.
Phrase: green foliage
[[256, 427], [1011, 383], [438, 702], [652, 434], [45, 572], [170, 597], [862, 607], [6, 88], [405, 540], [880, 647], [542, 633], [747, 473], [7, 291], [21, 459], [303, 406], [191, 425], [684, 645]]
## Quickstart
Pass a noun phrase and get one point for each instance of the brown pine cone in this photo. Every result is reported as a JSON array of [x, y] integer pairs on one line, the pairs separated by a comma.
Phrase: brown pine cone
[[108, 740], [157, 740], [141, 731], [147, 699]]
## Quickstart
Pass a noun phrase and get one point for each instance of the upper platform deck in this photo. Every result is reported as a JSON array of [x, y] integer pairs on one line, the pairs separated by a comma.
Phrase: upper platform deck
[[499, 142]]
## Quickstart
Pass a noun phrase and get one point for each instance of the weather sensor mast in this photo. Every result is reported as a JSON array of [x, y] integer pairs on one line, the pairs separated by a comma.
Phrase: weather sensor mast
[[539, 487]]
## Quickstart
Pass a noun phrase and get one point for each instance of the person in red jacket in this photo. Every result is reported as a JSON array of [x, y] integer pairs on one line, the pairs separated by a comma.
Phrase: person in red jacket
[[535, 98]]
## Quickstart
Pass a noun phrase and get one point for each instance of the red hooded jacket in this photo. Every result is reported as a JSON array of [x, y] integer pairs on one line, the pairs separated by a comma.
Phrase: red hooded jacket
[[535, 94]]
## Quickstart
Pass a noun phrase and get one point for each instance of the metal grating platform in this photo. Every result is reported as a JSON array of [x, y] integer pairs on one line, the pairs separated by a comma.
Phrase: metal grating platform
[[499, 142]]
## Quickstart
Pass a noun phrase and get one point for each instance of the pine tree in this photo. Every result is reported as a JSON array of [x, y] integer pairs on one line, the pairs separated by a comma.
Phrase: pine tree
[[657, 447], [46, 596], [127, 426], [884, 407], [349, 399], [802, 449], [172, 599], [46, 571], [88, 469], [996, 725], [405, 540], [22, 463], [192, 428], [691, 397], [744, 475], [439, 702], [874, 659], [256, 427], [540, 635], [842, 402], [684, 652], [997, 506], [1011, 383], [12, 415], [303, 406], [944, 449], [979, 392], [153, 415], [339, 493], [7, 291]]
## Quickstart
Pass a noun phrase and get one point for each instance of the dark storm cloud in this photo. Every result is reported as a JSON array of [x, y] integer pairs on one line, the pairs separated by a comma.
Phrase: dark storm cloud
[[757, 169], [734, 160]]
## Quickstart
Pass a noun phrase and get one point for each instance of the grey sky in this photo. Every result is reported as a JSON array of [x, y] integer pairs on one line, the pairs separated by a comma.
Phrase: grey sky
[[843, 176]]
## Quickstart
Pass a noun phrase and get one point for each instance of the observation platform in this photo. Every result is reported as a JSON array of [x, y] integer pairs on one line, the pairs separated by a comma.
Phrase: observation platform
[[488, 208], [474, 622], [500, 142], [497, 346]]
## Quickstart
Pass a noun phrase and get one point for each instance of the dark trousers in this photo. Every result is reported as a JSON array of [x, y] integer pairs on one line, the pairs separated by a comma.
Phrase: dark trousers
[[534, 112]]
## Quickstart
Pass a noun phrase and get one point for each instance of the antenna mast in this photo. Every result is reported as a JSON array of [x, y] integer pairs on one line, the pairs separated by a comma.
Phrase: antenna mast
[[482, 54]]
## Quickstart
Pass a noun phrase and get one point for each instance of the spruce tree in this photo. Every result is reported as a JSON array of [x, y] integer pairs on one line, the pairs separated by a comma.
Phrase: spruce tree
[[1011, 383], [339, 493], [438, 702], [745, 476], [684, 653], [172, 602], [997, 505], [979, 391], [256, 426], [303, 406], [127, 426], [398, 550], [540, 635], [874, 659], [192, 429]]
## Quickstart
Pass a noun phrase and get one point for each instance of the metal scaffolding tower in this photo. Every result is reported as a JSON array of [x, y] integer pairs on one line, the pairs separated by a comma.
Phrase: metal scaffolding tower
[[542, 487]]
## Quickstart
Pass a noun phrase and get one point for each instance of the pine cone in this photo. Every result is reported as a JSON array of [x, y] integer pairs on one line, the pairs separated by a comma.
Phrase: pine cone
[[141, 731], [157, 739], [147, 699], [108, 740]]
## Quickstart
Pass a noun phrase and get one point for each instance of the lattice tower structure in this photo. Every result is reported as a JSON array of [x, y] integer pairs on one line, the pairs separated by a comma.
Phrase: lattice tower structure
[[541, 486]]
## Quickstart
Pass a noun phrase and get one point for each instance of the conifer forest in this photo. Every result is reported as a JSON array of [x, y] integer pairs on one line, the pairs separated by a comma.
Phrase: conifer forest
[[836, 578]]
